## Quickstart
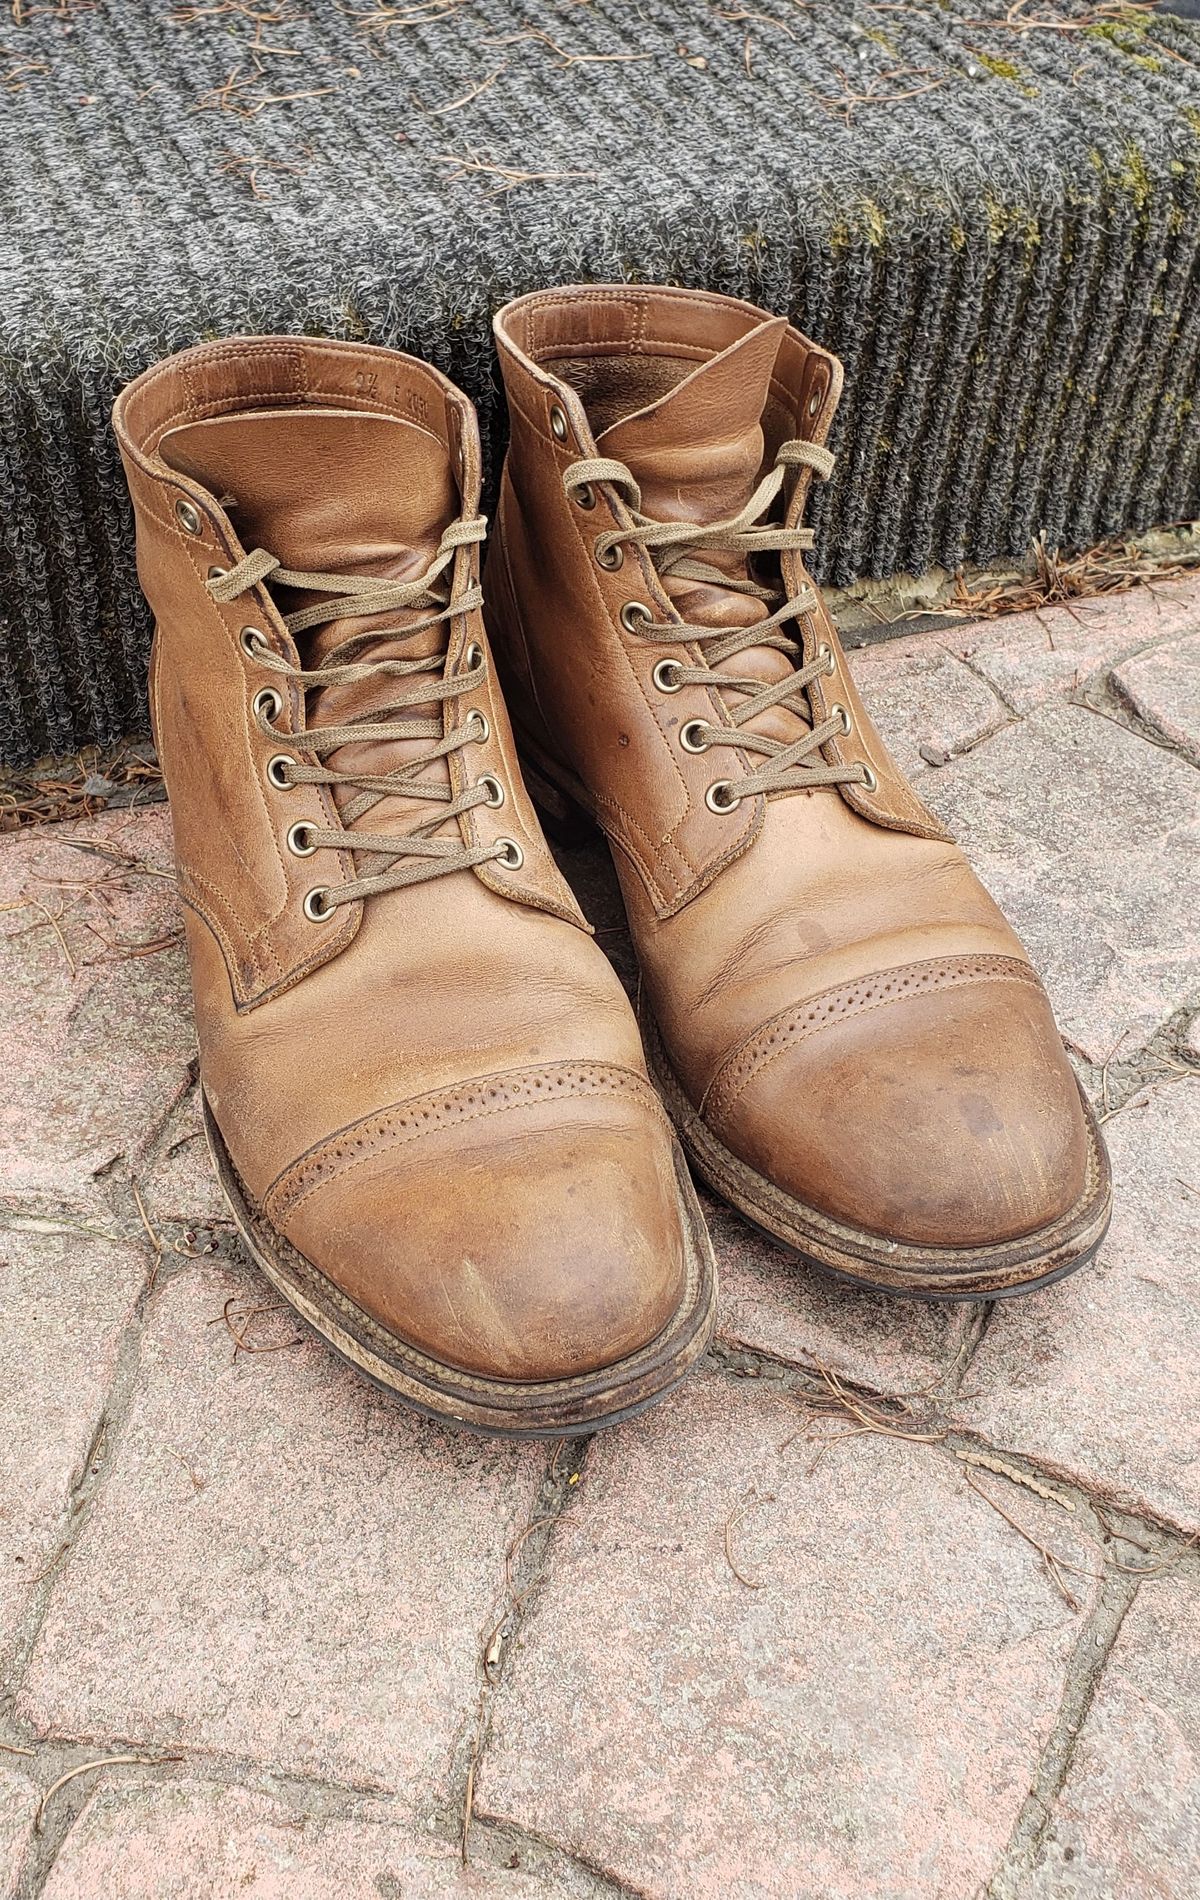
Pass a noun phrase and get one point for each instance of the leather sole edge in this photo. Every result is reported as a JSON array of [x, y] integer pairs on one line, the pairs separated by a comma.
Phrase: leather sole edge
[[568, 1407]]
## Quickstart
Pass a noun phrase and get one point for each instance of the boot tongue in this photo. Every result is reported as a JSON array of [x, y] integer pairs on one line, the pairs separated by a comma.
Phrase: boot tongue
[[697, 455], [337, 492], [697, 452]]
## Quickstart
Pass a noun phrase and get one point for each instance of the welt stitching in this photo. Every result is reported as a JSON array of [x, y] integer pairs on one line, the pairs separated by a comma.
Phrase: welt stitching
[[306, 394], [717, 1096]]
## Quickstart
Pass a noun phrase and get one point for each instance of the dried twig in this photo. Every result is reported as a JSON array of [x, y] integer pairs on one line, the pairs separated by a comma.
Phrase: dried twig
[[1018, 1477], [86, 1767], [240, 1341], [464, 99], [884, 1416], [1156, 1570], [735, 1517], [1055, 1565], [1112, 567], [509, 175], [156, 1241], [843, 106], [566, 58]]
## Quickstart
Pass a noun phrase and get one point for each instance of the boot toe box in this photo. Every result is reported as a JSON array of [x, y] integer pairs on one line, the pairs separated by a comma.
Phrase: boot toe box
[[537, 1235], [932, 1112]]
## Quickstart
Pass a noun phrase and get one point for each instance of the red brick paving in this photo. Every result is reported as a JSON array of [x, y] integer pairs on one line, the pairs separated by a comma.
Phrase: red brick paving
[[270, 1571]]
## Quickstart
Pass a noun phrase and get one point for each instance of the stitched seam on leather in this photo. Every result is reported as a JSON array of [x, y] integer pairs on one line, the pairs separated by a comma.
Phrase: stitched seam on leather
[[792, 1027], [397, 1125], [303, 397], [252, 942]]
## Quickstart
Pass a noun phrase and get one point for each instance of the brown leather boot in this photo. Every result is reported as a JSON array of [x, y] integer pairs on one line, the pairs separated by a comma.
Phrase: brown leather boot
[[424, 1087], [849, 1037]]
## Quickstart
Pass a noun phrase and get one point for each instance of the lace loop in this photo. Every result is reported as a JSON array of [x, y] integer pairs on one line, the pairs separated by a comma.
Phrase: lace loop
[[410, 857], [672, 546]]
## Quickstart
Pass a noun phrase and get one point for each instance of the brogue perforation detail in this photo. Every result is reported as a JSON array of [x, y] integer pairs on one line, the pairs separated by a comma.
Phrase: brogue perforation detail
[[447, 1108], [844, 1000]]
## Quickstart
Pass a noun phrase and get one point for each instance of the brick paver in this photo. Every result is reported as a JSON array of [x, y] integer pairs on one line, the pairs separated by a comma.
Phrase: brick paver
[[865, 1721], [284, 1564], [1031, 658], [1127, 1826], [772, 1303], [1090, 841], [930, 705], [196, 1841], [97, 1034], [279, 1571], [1097, 1376], [18, 1800], [1163, 688], [65, 1299]]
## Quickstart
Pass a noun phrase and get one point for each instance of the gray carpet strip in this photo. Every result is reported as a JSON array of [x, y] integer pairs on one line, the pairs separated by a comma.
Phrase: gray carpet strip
[[990, 214]]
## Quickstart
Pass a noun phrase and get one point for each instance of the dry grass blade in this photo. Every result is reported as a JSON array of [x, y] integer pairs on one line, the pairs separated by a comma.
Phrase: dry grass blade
[[380, 20], [86, 1768], [232, 1320], [464, 99], [66, 788], [156, 1241], [735, 1518], [1055, 1566], [887, 1416], [1156, 1570], [564, 57], [1055, 579], [509, 176]]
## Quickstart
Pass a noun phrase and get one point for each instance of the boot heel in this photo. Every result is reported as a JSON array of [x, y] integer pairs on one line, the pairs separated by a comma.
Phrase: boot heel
[[563, 818]]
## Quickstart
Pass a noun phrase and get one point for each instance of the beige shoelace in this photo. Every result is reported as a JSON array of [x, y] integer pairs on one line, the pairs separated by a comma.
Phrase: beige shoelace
[[414, 856], [671, 546]]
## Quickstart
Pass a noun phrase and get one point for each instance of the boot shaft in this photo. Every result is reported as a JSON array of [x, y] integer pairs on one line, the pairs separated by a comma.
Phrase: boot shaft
[[696, 395], [339, 461]]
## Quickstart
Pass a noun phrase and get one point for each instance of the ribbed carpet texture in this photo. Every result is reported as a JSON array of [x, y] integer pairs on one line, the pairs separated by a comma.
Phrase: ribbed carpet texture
[[988, 210]]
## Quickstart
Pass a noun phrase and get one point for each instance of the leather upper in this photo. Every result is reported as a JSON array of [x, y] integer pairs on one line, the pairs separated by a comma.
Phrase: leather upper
[[836, 992], [438, 1094]]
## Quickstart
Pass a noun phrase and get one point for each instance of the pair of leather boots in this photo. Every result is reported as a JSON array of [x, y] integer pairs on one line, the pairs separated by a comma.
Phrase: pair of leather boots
[[444, 1135]]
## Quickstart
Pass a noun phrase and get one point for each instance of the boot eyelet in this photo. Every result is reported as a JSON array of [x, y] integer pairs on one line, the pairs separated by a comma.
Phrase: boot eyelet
[[216, 573], [814, 401], [825, 653], [690, 736], [869, 781], [275, 771], [481, 727], [317, 907], [473, 656], [585, 495], [558, 422], [721, 797], [512, 857], [494, 790], [297, 840], [636, 616], [254, 642], [666, 676], [840, 713], [610, 558], [187, 516], [267, 705]]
